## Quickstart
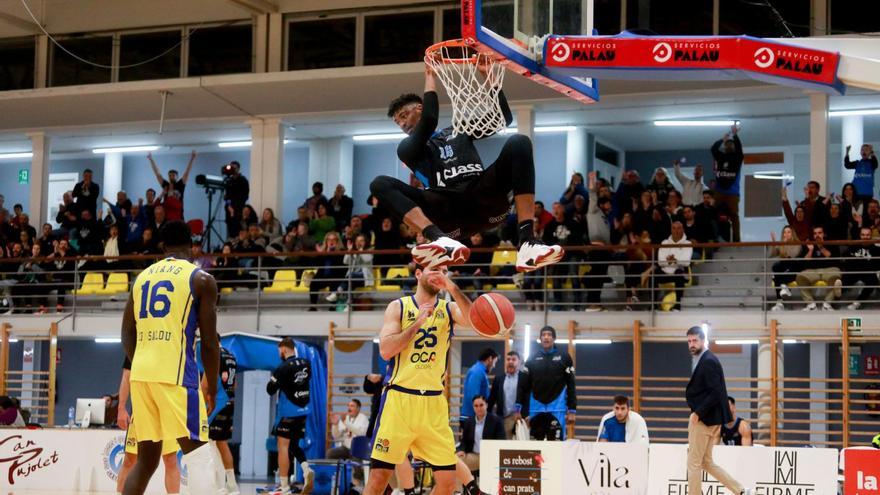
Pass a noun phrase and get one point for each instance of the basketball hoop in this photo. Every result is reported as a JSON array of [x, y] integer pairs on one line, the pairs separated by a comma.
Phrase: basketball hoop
[[472, 81]]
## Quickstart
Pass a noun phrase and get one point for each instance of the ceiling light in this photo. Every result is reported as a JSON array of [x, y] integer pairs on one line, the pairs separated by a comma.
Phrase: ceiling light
[[124, 149], [582, 341], [240, 144], [106, 340], [695, 123], [554, 128], [790, 341], [12, 341], [379, 137], [847, 113], [23, 154], [736, 342]]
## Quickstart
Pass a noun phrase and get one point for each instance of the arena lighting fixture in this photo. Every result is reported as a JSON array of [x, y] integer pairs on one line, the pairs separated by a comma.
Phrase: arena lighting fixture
[[790, 341], [107, 340], [848, 113], [584, 341], [554, 128], [695, 123], [23, 154], [239, 144], [527, 345], [706, 327], [12, 341], [737, 342], [124, 149], [379, 137]]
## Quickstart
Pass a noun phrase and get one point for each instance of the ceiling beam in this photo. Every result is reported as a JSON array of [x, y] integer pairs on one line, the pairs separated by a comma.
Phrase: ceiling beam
[[19, 23], [257, 6]]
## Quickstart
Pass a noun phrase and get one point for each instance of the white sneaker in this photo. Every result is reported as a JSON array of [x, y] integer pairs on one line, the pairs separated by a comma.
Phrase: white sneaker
[[854, 306], [838, 288], [331, 297], [594, 308], [444, 251], [534, 255], [784, 291], [810, 307], [778, 307], [827, 306]]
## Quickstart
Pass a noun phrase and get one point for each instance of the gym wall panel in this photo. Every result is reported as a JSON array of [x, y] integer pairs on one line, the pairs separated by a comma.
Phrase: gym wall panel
[[296, 187]]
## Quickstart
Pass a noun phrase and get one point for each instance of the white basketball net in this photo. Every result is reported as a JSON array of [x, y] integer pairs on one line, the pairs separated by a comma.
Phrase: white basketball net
[[475, 107]]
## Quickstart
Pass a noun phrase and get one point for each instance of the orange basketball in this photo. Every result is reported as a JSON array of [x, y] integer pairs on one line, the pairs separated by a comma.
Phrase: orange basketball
[[492, 315]]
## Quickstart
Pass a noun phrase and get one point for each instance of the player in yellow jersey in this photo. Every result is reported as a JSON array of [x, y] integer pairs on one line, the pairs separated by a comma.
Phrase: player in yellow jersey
[[169, 301], [414, 414]]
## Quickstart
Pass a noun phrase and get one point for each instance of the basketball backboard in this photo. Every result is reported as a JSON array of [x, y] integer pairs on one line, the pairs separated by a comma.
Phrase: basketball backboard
[[515, 30]]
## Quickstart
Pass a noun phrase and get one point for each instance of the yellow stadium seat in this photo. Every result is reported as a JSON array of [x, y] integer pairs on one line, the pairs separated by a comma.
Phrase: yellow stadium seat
[[92, 284], [305, 280], [283, 281], [393, 272], [116, 283], [226, 290], [499, 260]]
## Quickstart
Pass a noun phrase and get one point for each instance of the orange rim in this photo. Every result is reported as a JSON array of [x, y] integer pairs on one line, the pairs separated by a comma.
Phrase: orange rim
[[436, 51]]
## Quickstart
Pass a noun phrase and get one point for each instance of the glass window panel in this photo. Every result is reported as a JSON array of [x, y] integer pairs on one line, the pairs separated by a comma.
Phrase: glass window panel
[[221, 50], [498, 16], [756, 18], [451, 24], [140, 47], [321, 43], [606, 16], [67, 70], [17, 68], [397, 38], [849, 16]]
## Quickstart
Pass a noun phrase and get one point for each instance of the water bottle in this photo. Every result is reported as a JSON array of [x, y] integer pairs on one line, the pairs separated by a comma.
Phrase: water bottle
[[71, 416]]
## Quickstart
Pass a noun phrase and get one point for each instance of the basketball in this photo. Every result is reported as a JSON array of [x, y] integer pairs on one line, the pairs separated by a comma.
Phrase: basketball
[[492, 314]]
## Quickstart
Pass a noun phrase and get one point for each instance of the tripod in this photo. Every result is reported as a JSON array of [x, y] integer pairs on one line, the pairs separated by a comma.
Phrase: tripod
[[210, 229]]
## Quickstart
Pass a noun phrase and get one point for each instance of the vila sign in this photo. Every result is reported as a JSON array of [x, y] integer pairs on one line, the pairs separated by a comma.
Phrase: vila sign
[[605, 468], [861, 472]]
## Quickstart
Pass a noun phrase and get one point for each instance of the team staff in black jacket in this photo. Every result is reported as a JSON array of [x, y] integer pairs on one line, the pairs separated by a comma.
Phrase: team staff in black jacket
[[546, 395]]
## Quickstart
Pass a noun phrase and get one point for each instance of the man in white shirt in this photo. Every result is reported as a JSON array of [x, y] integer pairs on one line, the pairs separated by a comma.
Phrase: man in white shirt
[[673, 263], [353, 424], [623, 424], [691, 189]]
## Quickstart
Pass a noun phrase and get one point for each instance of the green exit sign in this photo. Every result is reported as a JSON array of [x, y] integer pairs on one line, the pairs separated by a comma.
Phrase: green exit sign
[[853, 324], [24, 176]]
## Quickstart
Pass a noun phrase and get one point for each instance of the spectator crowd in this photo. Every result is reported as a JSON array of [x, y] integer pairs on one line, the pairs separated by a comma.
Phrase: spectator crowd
[[601, 225]]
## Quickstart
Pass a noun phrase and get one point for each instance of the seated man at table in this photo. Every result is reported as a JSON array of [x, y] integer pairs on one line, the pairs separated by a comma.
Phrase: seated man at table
[[623, 424], [738, 431], [483, 426]]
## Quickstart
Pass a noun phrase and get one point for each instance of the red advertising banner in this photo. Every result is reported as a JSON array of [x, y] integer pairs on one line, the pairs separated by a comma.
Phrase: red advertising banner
[[861, 472], [733, 53]]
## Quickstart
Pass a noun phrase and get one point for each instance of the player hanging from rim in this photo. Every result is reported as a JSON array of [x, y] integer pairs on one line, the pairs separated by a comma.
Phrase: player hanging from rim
[[461, 196]]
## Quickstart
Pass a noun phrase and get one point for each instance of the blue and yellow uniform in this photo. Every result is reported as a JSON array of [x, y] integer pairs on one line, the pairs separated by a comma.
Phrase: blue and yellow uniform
[[414, 413], [169, 445], [165, 395]]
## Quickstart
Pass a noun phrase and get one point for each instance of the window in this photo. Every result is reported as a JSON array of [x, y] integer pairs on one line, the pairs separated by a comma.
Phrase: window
[[681, 17], [17, 69], [606, 16], [321, 43], [451, 24], [854, 17], [567, 15], [498, 16], [397, 38], [608, 155], [220, 50], [67, 70], [140, 47], [757, 18]]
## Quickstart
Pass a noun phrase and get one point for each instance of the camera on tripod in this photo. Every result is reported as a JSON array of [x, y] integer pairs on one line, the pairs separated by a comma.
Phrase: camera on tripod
[[217, 181]]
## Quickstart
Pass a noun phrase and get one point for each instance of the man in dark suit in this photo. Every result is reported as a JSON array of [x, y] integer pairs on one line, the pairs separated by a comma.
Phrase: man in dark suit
[[502, 397], [707, 397], [483, 426]]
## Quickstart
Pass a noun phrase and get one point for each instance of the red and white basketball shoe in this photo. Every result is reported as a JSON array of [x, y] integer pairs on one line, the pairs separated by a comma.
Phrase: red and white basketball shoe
[[444, 251], [533, 255]]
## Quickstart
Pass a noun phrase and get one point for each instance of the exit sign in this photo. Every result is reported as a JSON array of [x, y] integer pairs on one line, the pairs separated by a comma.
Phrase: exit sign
[[853, 324], [24, 176]]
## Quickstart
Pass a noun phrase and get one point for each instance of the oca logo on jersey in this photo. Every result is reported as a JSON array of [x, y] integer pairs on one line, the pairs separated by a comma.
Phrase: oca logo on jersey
[[423, 357]]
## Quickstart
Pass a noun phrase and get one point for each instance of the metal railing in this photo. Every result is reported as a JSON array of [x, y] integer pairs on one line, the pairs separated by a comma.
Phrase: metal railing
[[619, 278]]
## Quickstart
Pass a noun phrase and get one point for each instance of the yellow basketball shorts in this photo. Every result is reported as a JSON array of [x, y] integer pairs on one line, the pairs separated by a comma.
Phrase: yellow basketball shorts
[[169, 446], [414, 422], [166, 411]]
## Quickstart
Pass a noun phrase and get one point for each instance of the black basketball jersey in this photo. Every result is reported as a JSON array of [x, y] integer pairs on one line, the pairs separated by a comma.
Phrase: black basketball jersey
[[228, 366], [731, 436]]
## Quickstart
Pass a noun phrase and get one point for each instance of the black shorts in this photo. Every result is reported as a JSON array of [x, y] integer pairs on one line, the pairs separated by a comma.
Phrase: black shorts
[[221, 428], [292, 428], [545, 426], [460, 213]]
